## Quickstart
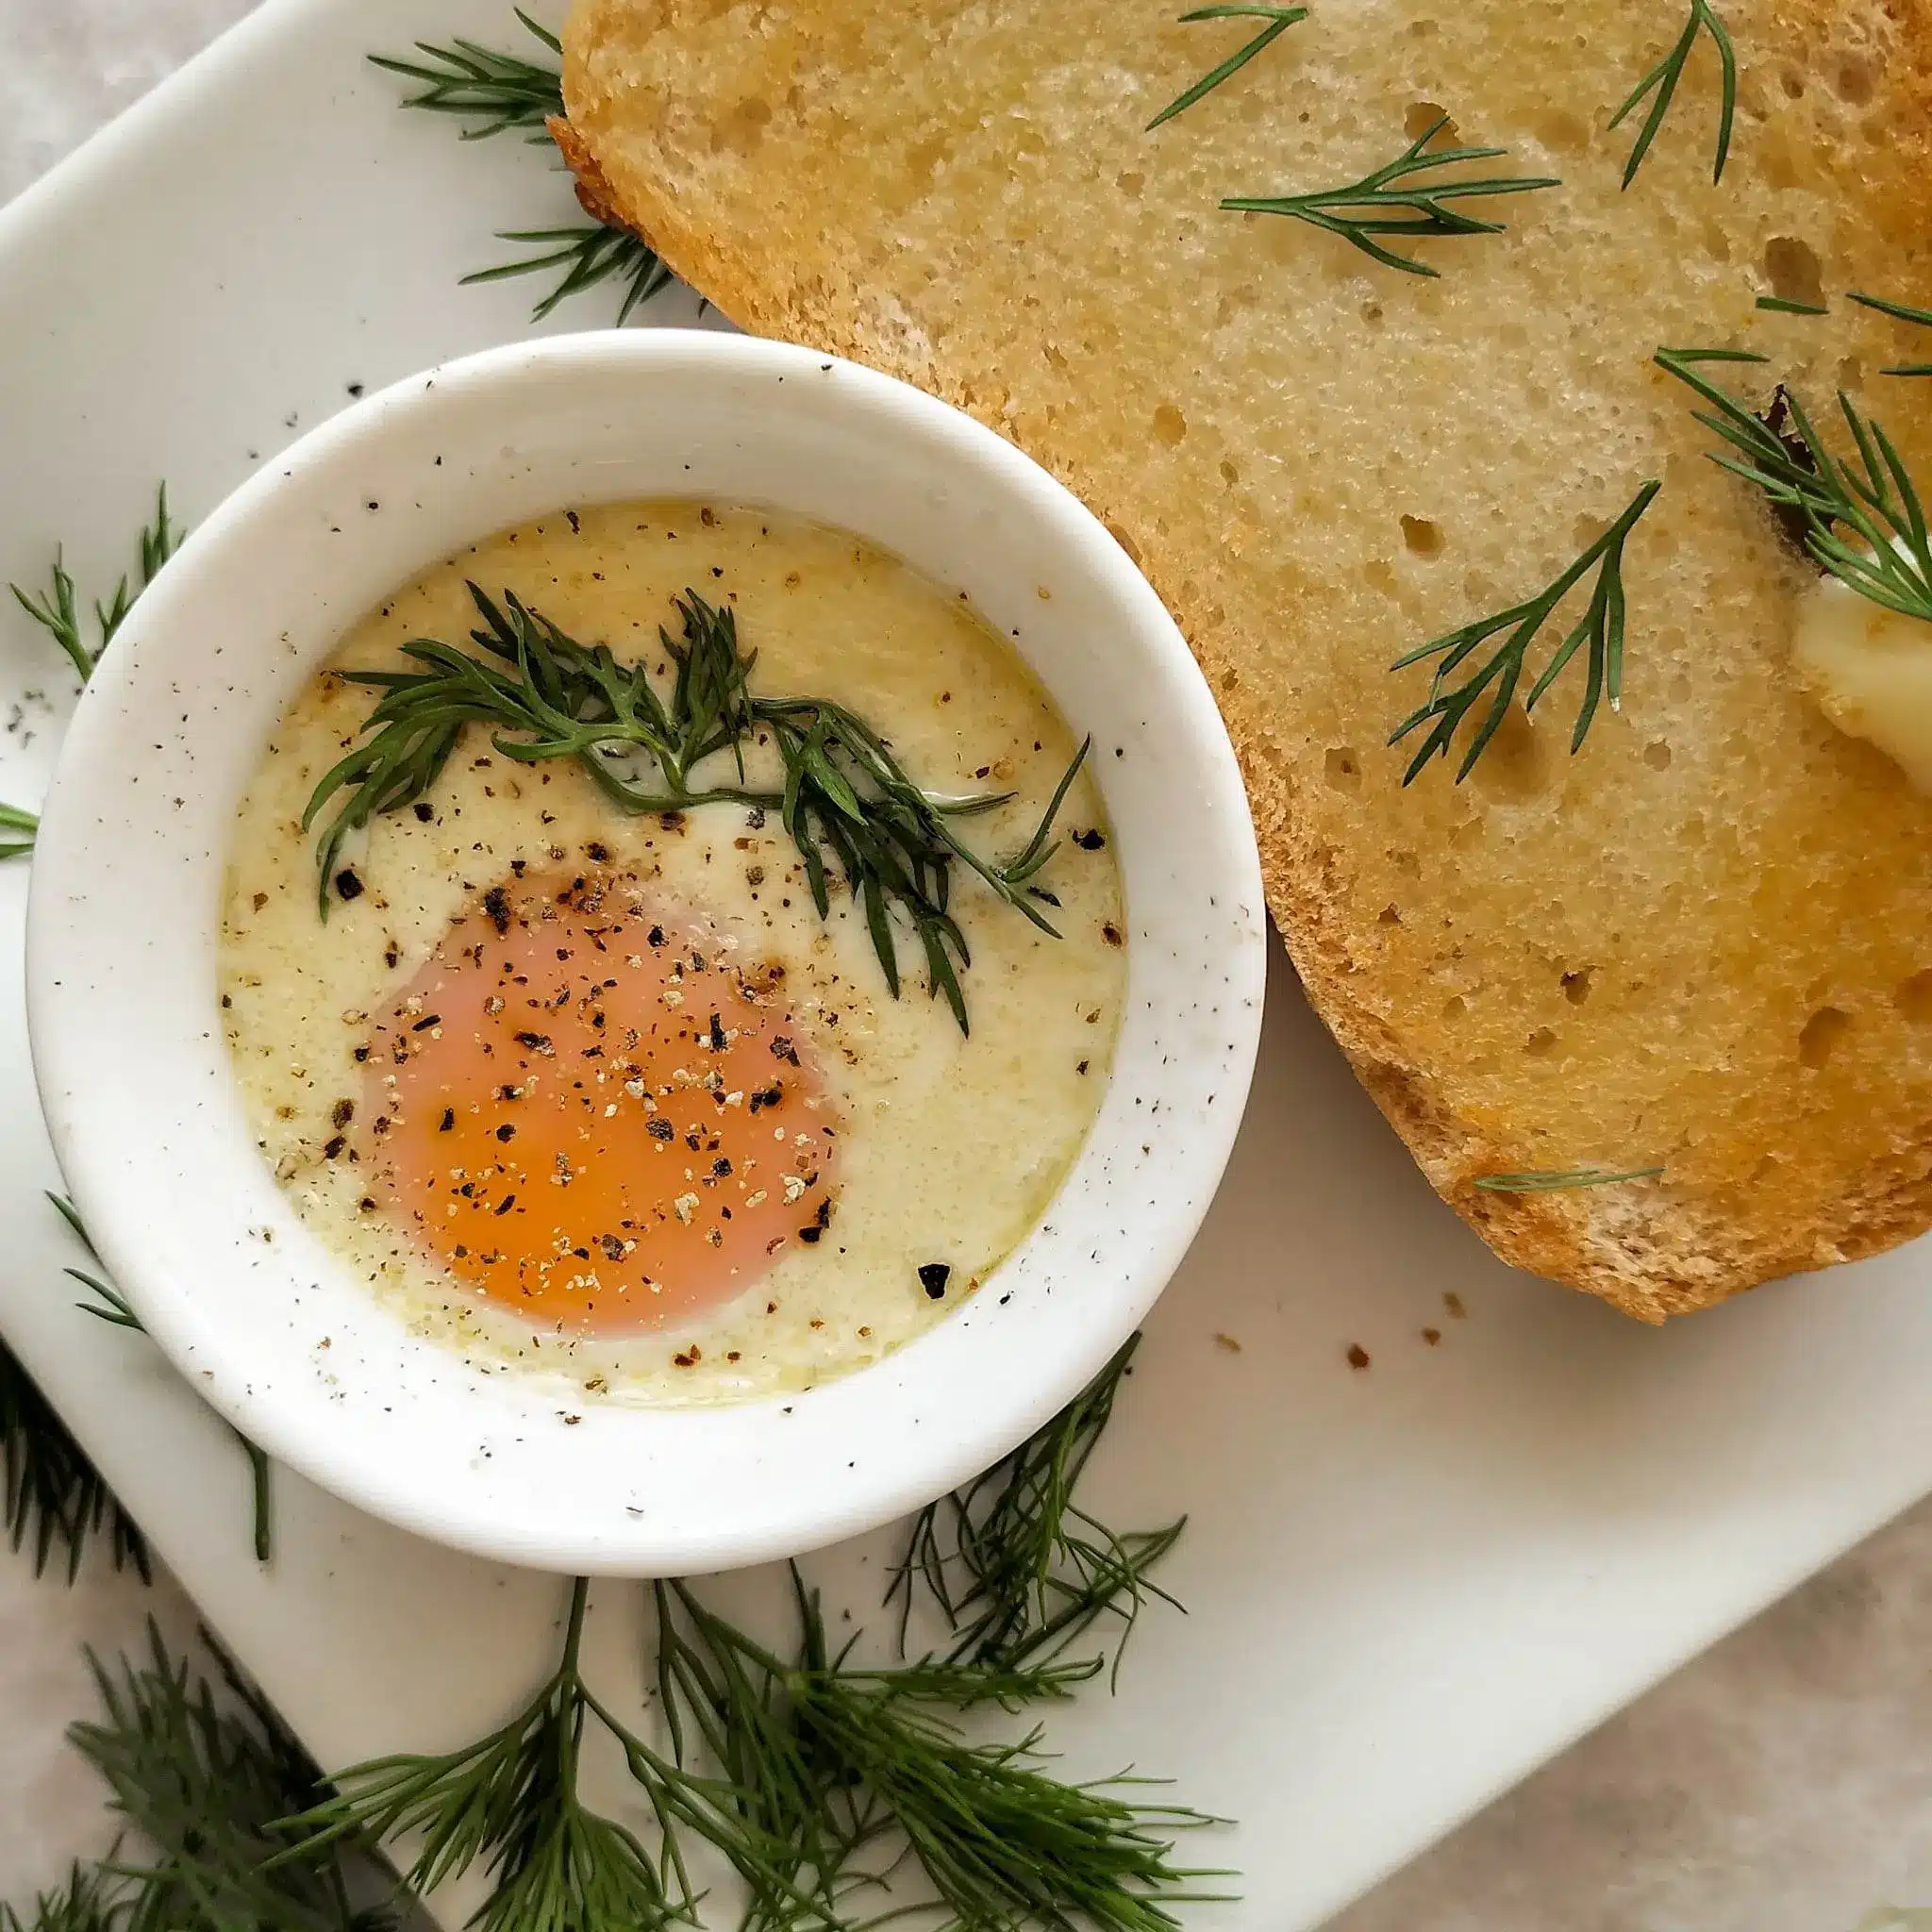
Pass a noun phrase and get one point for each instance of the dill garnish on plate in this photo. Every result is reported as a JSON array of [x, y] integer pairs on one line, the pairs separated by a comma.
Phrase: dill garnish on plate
[[110, 1306], [795, 1767], [495, 93], [57, 611], [1019, 1570], [52, 1496]]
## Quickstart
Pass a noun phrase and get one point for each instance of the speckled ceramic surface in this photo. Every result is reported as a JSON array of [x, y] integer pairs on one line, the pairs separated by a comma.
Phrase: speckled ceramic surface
[[1408, 1584]]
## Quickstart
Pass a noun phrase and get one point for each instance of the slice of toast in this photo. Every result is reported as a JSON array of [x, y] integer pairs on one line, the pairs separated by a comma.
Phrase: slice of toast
[[1704, 942]]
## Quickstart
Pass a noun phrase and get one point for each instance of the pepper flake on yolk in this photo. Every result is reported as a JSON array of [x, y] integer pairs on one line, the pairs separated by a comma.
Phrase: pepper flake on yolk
[[591, 1114]]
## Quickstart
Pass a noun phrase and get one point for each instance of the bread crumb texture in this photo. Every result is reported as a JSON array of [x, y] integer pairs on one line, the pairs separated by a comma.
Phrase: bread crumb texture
[[1705, 941]]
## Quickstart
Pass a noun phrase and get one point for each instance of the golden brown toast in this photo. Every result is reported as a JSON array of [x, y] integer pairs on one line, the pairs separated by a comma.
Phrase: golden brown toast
[[1704, 942]]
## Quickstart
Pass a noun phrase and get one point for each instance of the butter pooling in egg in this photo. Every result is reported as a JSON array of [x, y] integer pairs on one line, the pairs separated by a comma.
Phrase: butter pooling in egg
[[593, 1111]]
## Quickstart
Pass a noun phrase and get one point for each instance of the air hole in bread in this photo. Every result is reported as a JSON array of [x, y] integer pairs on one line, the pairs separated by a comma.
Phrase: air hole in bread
[[1851, 372], [1856, 78], [1423, 537], [1389, 915], [1170, 425], [1577, 986], [1516, 765], [1342, 769], [1793, 271], [924, 161], [1243, 296], [1453, 1007], [1229, 475], [1913, 998], [1562, 132], [1372, 314], [1657, 754], [1426, 117], [1822, 1034], [1793, 83], [1130, 183], [1540, 1043], [743, 128]]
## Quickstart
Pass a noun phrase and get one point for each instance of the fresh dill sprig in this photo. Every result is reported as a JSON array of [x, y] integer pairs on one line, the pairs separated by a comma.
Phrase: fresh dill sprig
[[1020, 1570], [1601, 626], [202, 1783], [57, 611], [53, 1495], [1661, 83], [1553, 1183], [495, 92], [88, 1902], [788, 1770], [1279, 20], [1862, 520], [804, 1764], [715, 1702], [510, 1801], [1392, 202], [1002, 1843], [57, 608], [261, 1489], [17, 829], [845, 800], [110, 1306], [492, 91], [1900, 311], [1904, 311], [1784, 304], [588, 253]]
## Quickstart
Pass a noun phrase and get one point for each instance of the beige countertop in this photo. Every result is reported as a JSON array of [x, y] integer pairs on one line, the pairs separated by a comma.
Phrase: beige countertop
[[1782, 1783]]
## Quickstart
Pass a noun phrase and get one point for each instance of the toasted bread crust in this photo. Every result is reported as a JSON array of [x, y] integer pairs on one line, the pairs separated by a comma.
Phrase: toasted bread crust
[[1785, 1167], [593, 192]]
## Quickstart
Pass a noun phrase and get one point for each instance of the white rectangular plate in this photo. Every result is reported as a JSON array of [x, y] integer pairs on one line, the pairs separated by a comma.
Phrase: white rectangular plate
[[1408, 1583]]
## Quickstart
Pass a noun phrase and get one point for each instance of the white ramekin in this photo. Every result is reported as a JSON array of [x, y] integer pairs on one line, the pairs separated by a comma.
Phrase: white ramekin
[[127, 889]]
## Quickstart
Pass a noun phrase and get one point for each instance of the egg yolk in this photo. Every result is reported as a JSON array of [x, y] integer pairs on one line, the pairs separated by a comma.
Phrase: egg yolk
[[590, 1112]]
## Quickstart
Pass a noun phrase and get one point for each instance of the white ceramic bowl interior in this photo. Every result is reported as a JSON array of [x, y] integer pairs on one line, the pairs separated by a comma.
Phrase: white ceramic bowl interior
[[126, 906]]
